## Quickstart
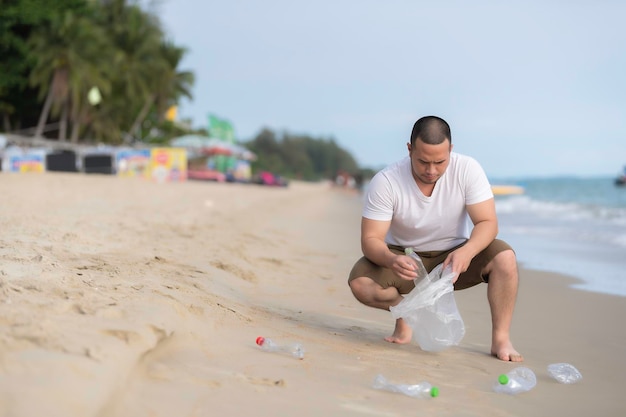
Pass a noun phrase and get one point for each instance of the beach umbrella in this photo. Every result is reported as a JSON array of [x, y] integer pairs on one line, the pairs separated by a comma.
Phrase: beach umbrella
[[244, 153], [214, 146], [202, 145]]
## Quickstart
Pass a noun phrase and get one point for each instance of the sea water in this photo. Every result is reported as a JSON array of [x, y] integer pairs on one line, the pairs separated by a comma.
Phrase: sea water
[[573, 226]]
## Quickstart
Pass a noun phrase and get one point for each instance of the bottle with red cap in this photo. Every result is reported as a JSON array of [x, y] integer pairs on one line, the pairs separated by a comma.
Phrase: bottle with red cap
[[294, 349]]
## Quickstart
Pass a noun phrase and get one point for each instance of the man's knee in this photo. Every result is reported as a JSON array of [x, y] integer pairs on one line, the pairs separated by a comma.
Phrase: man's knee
[[363, 289], [358, 285], [507, 258], [504, 264]]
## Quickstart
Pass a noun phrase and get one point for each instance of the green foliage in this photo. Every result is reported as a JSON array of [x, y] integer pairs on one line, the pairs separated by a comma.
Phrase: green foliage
[[66, 47], [18, 19], [300, 157]]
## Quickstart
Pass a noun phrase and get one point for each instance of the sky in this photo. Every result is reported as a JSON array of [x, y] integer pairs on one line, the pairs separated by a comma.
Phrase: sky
[[530, 89]]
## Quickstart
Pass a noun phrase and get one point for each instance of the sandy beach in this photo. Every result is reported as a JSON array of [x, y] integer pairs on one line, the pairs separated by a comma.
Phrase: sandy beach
[[124, 297]]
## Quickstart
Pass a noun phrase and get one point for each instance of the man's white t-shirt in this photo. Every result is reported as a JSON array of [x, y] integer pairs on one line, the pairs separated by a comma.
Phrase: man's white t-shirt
[[438, 222]]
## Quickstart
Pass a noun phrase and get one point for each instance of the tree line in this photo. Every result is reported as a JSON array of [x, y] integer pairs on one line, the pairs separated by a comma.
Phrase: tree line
[[57, 55], [303, 157]]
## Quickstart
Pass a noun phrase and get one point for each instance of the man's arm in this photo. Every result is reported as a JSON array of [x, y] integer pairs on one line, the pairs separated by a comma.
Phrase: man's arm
[[373, 233], [485, 230]]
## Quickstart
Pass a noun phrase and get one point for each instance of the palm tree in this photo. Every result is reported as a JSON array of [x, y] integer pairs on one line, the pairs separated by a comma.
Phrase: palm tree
[[70, 56], [168, 85], [119, 49], [173, 84], [137, 37]]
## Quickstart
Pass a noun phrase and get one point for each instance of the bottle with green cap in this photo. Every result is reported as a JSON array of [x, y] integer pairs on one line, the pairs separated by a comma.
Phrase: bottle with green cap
[[517, 380], [421, 390]]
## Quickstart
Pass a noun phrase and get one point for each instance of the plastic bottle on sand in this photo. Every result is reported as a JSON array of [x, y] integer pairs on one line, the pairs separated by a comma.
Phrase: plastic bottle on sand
[[517, 380], [421, 390], [564, 373], [421, 270], [294, 349]]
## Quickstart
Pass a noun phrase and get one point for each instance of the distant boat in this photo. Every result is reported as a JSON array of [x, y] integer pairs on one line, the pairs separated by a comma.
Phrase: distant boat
[[507, 189]]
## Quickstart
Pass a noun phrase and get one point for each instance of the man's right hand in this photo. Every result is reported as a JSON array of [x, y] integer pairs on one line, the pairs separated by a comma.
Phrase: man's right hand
[[404, 267]]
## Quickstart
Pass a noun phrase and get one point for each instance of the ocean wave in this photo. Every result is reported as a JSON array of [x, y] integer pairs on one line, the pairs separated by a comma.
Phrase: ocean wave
[[570, 211], [575, 222]]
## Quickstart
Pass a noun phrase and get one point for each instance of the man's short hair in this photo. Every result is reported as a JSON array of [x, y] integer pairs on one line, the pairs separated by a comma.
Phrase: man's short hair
[[432, 130]]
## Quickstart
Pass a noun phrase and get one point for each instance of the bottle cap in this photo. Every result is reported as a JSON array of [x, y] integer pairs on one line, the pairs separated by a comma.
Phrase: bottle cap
[[260, 340], [434, 392], [503, 379]]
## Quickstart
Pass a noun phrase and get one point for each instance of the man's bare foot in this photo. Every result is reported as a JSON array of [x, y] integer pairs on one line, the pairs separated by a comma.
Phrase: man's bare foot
[[401, 334], [506, 352]]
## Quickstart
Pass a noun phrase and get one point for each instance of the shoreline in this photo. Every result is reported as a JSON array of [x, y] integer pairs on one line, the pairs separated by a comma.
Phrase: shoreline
[[123, 297]]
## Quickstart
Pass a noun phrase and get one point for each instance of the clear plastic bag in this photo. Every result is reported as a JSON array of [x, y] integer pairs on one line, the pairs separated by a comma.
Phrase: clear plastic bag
[[431, 311]]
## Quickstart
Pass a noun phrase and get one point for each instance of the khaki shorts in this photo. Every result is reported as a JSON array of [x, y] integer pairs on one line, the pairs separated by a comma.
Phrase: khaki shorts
[[387, 278]]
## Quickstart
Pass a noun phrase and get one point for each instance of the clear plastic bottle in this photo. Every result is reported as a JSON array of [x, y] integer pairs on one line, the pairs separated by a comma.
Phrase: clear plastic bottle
[[517, 380], [564, 373], [294, 349], [421, 390], [421, 270]]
